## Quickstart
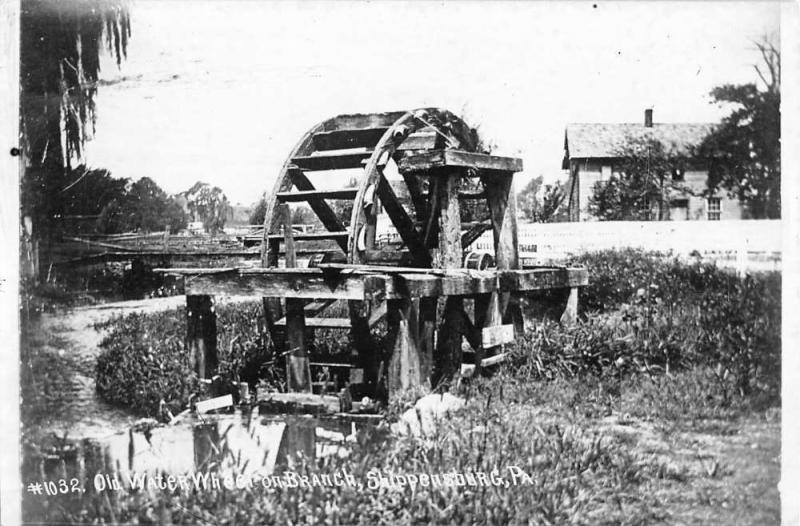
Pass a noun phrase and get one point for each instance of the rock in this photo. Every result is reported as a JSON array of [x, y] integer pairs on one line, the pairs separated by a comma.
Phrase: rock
[[423, 418]]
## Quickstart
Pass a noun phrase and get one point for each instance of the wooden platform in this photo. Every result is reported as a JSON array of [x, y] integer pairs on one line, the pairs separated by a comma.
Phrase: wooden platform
[[366, 282]]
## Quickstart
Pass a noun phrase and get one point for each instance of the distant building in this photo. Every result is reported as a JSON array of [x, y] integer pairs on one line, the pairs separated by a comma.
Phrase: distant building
[[591, 151]]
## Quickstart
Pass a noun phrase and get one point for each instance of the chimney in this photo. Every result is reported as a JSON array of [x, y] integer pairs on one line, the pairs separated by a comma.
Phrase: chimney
[[648, 118]]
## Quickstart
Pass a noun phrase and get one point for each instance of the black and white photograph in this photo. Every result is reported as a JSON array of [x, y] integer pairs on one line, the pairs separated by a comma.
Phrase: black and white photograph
[[396, 262]]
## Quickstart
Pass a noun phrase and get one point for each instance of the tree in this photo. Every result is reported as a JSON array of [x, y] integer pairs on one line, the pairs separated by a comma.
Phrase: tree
[[209, 205], [540, 203], [641, 183], [60, 47], [145, 206], [745, 150]]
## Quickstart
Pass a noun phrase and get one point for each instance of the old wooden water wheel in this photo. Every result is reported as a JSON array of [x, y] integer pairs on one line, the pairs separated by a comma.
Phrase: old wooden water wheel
[[388, 166]]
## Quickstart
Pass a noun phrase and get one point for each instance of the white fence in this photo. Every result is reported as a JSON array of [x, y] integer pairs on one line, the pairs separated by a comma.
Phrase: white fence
[[745, 244]]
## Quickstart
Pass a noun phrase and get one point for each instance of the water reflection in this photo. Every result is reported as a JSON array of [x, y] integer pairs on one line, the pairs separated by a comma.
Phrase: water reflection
[[245, 443]]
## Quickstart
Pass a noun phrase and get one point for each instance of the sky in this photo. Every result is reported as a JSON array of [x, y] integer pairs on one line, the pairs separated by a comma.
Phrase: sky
[[220, 90]]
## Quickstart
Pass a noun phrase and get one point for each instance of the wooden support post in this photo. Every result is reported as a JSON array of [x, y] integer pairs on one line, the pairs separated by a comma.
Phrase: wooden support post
[[447, 360], [201, 334], [503, 210], [487, 314], [403, 345], [298, 370], [427, 338], [570, 314]]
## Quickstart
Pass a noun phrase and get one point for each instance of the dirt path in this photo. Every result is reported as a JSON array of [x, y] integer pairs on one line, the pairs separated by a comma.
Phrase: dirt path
[[58, 355]]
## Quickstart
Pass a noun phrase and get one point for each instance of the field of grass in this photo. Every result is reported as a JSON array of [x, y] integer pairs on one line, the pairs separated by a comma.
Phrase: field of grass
[[660, 406]]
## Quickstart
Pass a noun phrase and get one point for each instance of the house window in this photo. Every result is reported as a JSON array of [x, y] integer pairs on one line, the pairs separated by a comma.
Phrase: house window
[[645, 209], [714, 205], [678, 175]]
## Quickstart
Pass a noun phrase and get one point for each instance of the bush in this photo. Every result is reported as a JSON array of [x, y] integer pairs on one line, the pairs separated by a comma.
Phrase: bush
[[668, 316], [145, 359]]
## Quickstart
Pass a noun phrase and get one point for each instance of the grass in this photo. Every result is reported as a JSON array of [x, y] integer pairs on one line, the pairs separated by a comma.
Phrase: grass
[[659, 406]]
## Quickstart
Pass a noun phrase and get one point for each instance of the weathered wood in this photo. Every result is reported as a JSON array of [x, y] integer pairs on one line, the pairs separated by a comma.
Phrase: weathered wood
[[288, 236], [540, 279], [308, 285], [321, 323], [298, 372], [357, 121], [497, 335], [432, 160], [403, 223], [450, 252], [201, 334], [214, 403], [378, 313], [419, 141], [285, 402], [403, 345], [323, 210], [306, 195], [469, 369], [448, 357], [427, 337], [348, 138], [336, 161], [570, 315], [314, 236]]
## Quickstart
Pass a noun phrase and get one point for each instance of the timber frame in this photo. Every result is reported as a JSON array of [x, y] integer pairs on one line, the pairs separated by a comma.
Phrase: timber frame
[[430, 306]]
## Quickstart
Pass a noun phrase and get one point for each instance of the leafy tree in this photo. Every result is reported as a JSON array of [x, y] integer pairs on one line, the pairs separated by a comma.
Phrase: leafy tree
[[745, 150], [257, 215], [145, 206], [639, 188], [60, 47], [209, 205], [544, 208]]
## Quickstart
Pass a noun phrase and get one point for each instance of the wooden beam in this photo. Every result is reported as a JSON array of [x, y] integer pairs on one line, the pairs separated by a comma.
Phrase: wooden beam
[[449, 253], [306, 195], [570, 315], [338, 161], [339, 237], [403, 223], [201, 334], [433, 160], [308, 285], [323, 210], [403, 347], [349, 138], [288, 236], [541, 279], [298, 372], [320, 323]]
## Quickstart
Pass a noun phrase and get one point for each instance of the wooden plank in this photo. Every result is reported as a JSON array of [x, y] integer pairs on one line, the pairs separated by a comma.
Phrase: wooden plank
[[449, 253], [419, 141], [448, 357], [497, 335], [339, 161], [433, 160], [296, 197], [403, 223], [314, 236], [323, 210], [403, 347], [201, 334], [541, 279], [321, 323], [570, 315], [377, 313], [468, 369], [364, 120], [349, 138], [332, 365], [214, 403], [282, 285], [288, 236], [287, 402]]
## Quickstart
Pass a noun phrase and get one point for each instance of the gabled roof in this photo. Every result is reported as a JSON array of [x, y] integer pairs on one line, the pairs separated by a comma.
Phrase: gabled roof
[[606, 140]]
